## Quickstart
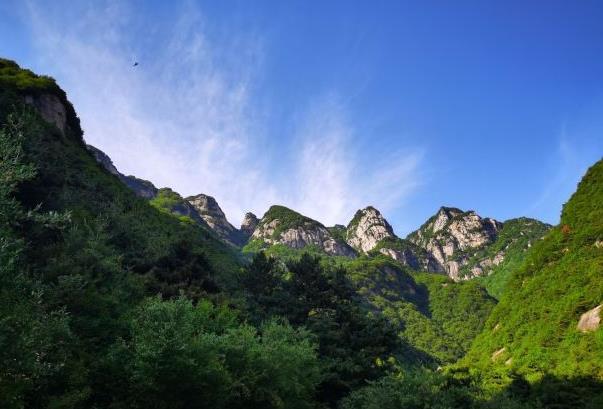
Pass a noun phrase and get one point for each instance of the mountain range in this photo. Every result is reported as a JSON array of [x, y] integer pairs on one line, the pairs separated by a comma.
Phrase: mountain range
[[460, 244]]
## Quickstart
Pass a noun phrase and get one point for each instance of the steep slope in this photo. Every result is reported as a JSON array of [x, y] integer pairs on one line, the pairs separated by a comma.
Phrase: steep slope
[[369, 233], [535, 327], [201, 209], [494, 264], [209, 210], [140, 187], [69, 180], [408, 254], [436, 316], [170, 202], [283, 226]]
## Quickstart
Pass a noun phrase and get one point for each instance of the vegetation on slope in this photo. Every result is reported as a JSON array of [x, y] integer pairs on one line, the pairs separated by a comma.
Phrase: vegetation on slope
[[513, 240], [534, 324], [438, 317]]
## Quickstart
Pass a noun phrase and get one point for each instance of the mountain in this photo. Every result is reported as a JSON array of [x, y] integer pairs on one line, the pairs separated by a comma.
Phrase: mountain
[[460, 244], [281, 225], [493, 264], [436, 316], [367, 228], [408, 254], [546, 321], [209, 210], [451, 235]]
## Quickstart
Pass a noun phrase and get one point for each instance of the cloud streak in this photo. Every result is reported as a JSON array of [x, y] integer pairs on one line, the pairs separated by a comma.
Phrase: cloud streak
[[187, 116]]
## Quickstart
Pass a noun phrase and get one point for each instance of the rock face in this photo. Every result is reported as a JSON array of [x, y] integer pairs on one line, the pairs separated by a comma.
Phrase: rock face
[[209, 210], [50, 108], [142, 188], [452, 236], [281, 225], [590, 320], [367, 228], [249, 224], [415, 258]]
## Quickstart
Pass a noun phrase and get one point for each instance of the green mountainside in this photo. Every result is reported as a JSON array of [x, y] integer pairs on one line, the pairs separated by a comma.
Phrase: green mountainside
[[115, 294], [534, 327], [514, 240]]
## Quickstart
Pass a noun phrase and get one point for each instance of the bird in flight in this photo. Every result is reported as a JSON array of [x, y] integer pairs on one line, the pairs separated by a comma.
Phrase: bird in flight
[[135, 64]]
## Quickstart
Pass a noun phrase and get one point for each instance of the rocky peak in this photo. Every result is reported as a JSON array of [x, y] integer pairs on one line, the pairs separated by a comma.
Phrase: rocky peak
[[207, 207], [249, 224], [367, 228], [452, 236], [281, 225], [443, 216]]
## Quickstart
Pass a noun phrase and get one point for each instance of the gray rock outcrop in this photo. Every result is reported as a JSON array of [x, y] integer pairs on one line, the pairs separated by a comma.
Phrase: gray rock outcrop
[[367, 229], [452, 236], [249, 224], [50, 108], [296, 231], [209, 210]]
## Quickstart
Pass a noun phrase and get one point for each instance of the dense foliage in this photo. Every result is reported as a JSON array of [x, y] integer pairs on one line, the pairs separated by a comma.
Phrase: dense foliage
[[513, 240], [438, 317], [353, 343], [534, 325]]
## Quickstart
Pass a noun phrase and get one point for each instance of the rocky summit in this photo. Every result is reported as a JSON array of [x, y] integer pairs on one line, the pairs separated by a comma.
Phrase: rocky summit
[[367, 228], [451, 236], [209, 210], [250, 222], [281, 225]]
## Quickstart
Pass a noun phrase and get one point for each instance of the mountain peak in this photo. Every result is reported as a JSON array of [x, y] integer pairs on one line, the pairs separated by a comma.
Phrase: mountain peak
[[367, 228], [249, 224], [453, 235], [281, 225], [207, 207]]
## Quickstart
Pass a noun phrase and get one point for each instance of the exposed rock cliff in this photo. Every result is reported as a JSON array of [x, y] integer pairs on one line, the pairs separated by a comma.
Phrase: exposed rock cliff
[[452, 236], [281, 225], [249, 224], [50, 108], [209, 210], [408, 254], [367, 228]]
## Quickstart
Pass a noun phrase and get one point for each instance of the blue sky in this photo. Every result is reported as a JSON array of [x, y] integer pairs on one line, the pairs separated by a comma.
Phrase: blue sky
[[327, 107]]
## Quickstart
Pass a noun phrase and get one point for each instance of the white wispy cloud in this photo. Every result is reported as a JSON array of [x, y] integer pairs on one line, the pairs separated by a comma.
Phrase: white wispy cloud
[[187, 117]]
